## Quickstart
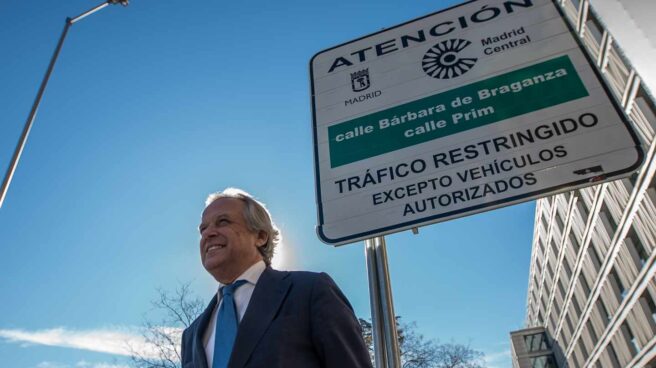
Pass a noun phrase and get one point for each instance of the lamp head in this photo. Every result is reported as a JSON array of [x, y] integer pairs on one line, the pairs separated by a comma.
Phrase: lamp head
[[122, 2]]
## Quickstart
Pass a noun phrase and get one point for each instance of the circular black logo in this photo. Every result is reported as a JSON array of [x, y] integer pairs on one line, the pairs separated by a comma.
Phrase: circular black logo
[[445, 60]]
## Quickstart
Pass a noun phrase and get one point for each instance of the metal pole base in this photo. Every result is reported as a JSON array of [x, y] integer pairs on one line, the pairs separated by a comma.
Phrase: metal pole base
[[386, 343]]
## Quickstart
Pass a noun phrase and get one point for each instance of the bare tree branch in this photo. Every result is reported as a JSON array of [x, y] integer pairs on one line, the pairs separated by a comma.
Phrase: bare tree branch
[[162, 338], [419, 352]]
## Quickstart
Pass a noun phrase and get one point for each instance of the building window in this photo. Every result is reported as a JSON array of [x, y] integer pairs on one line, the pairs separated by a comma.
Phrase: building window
[[559, 221], [628, 184], [574, 242], [556, 307], [568, 269], [618, 283], [613, 356], [574, 361], [583, 350], [603, 311], [582, 207], [594, 257], [584, 284], [536, 342], [543, 361], [554, 248], [593, 333], [569, 323], [650, 304], [604, 209], [565, 336], [634, 178], [577, 307], [533, 295], [634, 241], [630, 337], [550, 272], [561, 288]]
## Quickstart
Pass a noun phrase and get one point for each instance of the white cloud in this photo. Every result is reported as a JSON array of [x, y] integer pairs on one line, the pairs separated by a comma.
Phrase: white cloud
[[50, 365], [498, 359], [85, 364], [80, 364], [118, 341]]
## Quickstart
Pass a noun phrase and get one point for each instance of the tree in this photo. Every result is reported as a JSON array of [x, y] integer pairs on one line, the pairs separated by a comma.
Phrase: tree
[[162, 340], [458, 356], [419, 352]]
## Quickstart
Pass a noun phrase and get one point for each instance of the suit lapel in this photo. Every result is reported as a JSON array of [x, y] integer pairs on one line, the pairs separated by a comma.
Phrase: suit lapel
[[199, 358], [267, 297]]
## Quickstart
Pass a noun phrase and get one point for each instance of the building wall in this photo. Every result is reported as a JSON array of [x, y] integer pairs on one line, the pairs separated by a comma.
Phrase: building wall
[[592, 279]]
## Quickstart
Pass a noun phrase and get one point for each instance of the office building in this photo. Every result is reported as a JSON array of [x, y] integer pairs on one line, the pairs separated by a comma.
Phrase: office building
[[591, 286]]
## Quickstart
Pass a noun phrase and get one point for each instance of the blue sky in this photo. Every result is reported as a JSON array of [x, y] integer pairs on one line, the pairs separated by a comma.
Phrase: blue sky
[[152, 107]]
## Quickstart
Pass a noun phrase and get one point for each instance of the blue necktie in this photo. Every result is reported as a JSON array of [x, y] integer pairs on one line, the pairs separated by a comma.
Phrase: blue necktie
[[226, 326]]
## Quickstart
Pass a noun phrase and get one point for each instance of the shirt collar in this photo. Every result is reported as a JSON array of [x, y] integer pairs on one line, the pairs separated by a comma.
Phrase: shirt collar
[[251, 275]]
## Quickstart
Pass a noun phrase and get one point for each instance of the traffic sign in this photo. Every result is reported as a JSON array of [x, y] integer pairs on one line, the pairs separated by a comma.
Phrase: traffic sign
[[482, 105]]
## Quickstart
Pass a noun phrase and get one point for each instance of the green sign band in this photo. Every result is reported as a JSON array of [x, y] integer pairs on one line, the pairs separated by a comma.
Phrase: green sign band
[[538, 86]]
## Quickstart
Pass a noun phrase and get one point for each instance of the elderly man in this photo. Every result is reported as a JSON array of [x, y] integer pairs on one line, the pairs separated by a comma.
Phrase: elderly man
[[261, 317]]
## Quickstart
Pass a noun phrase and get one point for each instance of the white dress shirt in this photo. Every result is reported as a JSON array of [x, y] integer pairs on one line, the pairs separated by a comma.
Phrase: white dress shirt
[[242, 297]]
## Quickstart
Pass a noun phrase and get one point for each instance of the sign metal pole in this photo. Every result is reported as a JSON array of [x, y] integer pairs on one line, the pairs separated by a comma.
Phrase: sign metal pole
[[376, 309], [385, 336]]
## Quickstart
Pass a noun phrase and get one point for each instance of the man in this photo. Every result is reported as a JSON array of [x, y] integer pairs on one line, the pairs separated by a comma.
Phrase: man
[[262, 317]]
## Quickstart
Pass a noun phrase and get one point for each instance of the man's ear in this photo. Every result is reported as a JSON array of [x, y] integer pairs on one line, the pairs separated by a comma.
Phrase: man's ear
[[262, 238]]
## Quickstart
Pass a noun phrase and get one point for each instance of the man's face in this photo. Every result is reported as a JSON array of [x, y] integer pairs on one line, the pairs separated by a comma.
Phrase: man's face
[[227, 246]]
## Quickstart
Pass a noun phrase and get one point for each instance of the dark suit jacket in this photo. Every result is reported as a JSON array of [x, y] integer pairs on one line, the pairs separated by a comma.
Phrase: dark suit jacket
[[293, 320]]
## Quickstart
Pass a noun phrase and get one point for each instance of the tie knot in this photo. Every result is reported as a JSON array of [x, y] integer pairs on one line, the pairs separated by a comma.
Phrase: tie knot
[[228, 290]]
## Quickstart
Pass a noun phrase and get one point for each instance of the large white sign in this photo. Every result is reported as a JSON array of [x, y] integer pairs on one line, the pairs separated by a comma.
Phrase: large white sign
[[483, 105]]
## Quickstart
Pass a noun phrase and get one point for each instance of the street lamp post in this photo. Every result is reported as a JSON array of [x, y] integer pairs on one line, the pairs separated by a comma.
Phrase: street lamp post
[[30, 119]]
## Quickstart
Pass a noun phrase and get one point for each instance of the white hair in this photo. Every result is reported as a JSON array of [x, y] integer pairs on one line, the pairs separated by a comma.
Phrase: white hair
[[257, 218]]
